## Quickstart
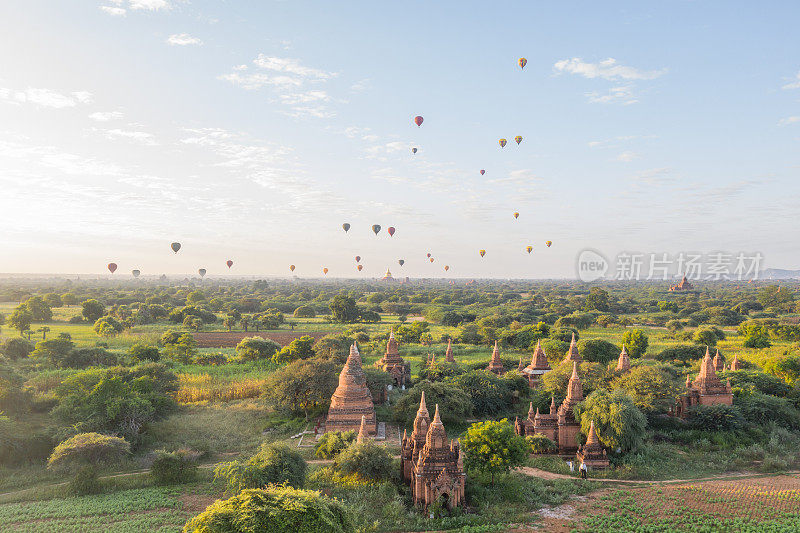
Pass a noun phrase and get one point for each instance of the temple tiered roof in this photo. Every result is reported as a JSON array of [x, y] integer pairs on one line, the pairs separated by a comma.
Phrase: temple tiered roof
[[448, 354], [707, 381], [624, 362], [538, 364], [572, 354], [496, 365], [352, 398]]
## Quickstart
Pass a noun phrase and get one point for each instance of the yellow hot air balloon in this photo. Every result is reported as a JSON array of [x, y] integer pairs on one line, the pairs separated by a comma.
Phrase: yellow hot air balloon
[[518, 138], [446, 268], [325, 270], [522, 62], [516, 215], [359, 267], [430, 259], [529, 248], [291, 268], [502, 143], [482, 252], [548, 243]]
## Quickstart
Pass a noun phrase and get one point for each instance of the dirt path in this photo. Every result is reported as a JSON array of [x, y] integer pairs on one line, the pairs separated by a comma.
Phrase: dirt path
[[543, 474]]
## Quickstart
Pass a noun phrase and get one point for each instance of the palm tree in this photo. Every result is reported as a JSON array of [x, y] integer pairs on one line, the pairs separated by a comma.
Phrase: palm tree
[[43, 330]]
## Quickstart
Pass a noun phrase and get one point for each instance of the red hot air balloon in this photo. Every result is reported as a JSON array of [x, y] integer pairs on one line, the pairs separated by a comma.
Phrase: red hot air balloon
[[483, 172], [428, 254], [358, 259], [391, 231], [291, 268], [229, 263], [175, 246], [401, 262], [418, 120], [359, 267], [522, 62], [112, 267]]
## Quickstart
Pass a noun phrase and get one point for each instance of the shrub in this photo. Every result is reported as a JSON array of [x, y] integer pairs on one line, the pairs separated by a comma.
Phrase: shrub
[[618, 422], [53, 350], [92, 310], [273, 509], [367, 459], [716, 417], [564, 334], [302, 348], [86, 357], [757, 341], [211, 359], [493, 447], [107, 326], [142, 352], [182, 349], [16, 348], [174, 467], [636, 342], [304, 311], [273, 463], [304, 386], [488, 393], [88, 448], [538, 443], [454, 404], [682, 353], [332, 443], [84, 482], [598, 351], [708, 336], [256, 348]]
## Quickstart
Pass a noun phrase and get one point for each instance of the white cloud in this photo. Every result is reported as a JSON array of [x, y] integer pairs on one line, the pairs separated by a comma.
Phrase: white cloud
[[616, 95], [789, 120], [256, 81], [608, 69], [304, 98], [137, 136], [46, 97], [114, 11], [149, 5], [655, 176], [627, 156], [795, 84], [361, 85], [290, 66], [105, 116], [183, 39], [520, 177]]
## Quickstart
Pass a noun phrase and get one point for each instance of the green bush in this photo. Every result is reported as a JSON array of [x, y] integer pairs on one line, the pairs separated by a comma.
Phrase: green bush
[[272, 464], [488, 393], [256, 348], [454, 404], [367, 459], [88, 448], [84, 482], [174, 467], [304, 311], [108, 326], [142, 352], [598, 351], [273, 510], [16, 348], [538, 443], [332, 443], [716, 418], [302, 348]]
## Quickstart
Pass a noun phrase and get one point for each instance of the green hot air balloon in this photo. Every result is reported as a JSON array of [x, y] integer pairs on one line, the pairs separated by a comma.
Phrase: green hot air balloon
[[376, 228]]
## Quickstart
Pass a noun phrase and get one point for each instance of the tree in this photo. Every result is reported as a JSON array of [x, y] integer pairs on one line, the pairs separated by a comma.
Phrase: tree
[[708, 336], [142, 353], [183, 350], [20, 319], [173, 467], [367, 459], [273, 463], [256, 348], [680, 354], [619, 424], [303, 386], [53, 299], [107, 326], [493, 447], [39, 309], [593, 376], [304, 311], [455, 405], [598, 350], [245, 322], [330, 444], [451, 319], [488, 393], [43, 330], [16, 348], [54, 350], [597, 300], [92, 310], [229, 322], [652, 388], [273, 509], [302, 348], [195, 298], [69, 299], [344, 309], [85, 449], [636, 342]]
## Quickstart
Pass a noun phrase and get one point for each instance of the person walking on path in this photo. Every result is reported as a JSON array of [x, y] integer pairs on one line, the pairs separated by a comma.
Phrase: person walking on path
[[571, 467], [583, 470]]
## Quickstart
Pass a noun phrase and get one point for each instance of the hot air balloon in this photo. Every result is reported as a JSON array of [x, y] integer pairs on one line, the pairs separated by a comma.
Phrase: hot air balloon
[[502, 143], [112, 267], [325, 270], [391, 231], [428, 254], [529, 248], [413, 150], [516, 215], [482, 252], [291, 268], [518, 138], [522, 62], [346, 227], [229, 263], [359, 267], [401, 262], [135, 273], [446, 268], [430, 259], [376, 228], [202, 272], [483, 172], [548, 243], [175, 246], [418, 120], [358, 259]]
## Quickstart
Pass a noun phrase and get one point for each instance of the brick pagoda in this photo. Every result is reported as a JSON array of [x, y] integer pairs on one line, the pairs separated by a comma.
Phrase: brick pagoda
[[448, 354], [537, 368], [496, 365], [624, 362], [592, 454], [412, 445], [438, 474], [706, 389], [568, 427], [352, 399], [393, 364], [572, 354]]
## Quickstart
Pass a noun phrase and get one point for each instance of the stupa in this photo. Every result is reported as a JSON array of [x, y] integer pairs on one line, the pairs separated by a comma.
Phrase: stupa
[[388, 276], [684, 285], [496, 365], [411, 446], [735, 364], [719, 362], [537, 368], [546, 424], [393, 364], [624, 362], [706, 389], [352, 399], [438, 474], [448, 354], [568, 426], [572, 354], [592, 454]]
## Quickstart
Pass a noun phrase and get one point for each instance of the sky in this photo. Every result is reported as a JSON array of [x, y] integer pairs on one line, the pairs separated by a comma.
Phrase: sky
[[252, 130]]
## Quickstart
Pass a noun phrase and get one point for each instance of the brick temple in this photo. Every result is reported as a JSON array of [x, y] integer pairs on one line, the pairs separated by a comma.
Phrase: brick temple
[[393, 364], [572, 354], [496, 364], [624, 362], [706, 389], [592, 454], [352, 399], [537, 367]]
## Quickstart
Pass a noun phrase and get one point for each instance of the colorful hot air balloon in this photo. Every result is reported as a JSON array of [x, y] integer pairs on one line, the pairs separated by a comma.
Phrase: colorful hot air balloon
[[430, 259], [291, 268], [229, 263], [516, 215], [112, 267], [202, 272], [518, 138], [376, 228], [135, 273], [483, 172], [358, 259], [418, 120], [325, 270], [502, 143], [175, 246], [413, 150], [401, 262], [346, 227], [428, 254], [482, 252], [548, 243], [522, 62], [391, 231], [529, 248], [446, 268], [359, 267]]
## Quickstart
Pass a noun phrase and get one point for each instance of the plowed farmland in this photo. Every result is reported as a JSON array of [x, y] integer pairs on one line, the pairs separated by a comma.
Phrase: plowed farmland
[[229, 339]]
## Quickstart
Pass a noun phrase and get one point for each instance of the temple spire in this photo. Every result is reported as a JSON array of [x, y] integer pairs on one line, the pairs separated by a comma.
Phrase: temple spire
[[448, 354], [572, 354], [624, 362], [591, 438], [362, 431]]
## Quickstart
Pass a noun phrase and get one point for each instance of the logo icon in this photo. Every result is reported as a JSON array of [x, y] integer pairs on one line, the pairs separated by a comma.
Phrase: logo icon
[[591, 265]]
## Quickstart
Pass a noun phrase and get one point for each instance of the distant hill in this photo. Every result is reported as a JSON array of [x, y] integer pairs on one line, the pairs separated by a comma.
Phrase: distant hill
[[779, 273]]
